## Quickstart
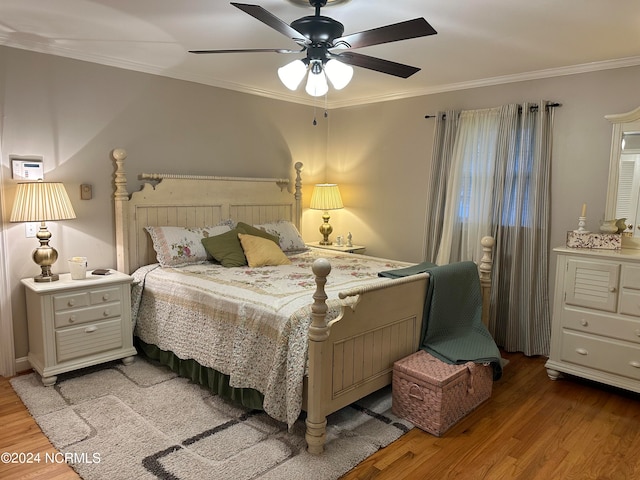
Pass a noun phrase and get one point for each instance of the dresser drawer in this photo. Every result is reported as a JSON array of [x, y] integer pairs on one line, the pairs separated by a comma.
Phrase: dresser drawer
[[88, 314], [601, 324], [630, 303], [88, 339], [601, 354], [631, 277]]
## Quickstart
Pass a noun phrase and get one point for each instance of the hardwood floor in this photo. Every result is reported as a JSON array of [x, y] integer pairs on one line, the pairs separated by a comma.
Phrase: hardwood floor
[[19, 433], [531, 428]]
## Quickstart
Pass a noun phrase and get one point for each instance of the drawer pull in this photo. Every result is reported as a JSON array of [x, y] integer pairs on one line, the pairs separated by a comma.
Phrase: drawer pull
[[106, 297], [584, 323], [634, 363], [71, 302], [72, 319], [582, 351], [90, 329], [638, 332], [106, 312]]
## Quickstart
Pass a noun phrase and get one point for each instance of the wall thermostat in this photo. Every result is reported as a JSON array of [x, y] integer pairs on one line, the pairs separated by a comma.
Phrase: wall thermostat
[[27, 168]]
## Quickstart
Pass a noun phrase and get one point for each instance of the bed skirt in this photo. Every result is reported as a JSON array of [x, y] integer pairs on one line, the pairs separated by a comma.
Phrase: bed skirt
[[213, 380]]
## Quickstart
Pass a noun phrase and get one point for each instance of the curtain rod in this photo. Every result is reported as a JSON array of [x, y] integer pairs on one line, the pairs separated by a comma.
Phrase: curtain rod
[[534, 108]]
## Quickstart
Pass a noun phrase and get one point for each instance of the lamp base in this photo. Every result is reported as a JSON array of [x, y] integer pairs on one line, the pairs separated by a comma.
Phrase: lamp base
[[325, 230], [45, 256], [46, 278]]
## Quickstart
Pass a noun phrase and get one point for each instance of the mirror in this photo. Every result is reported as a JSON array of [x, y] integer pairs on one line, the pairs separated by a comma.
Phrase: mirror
[[623, 192]]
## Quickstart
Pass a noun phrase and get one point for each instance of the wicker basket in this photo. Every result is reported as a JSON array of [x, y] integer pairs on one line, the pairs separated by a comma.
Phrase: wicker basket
[[434, 395]]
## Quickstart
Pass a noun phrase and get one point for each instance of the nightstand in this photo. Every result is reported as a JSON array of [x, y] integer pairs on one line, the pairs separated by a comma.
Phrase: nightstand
[[77, 323], [339, 248]]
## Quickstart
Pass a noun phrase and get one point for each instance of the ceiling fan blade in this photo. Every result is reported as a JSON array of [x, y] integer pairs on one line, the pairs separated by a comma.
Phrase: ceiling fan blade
[[249, 50], [256, 11], [377, 64], [418, 27]]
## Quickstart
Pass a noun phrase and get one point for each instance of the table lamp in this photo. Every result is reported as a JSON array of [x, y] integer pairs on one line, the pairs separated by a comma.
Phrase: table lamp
[[326, 196], [41, 202]]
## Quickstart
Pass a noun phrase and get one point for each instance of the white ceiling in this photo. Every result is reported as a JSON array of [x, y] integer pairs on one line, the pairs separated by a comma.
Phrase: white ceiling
[[479, 42]]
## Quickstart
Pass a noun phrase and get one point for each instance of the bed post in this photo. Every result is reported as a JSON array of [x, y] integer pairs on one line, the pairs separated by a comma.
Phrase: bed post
[[120, 197], [298, 196], [484, 269], [318, 332]]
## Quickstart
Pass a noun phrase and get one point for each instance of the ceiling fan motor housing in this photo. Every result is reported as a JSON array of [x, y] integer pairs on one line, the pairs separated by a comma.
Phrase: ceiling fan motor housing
[[320, 30]]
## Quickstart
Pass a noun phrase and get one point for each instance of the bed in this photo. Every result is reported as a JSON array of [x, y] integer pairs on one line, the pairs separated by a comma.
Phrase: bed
[[353, 324]]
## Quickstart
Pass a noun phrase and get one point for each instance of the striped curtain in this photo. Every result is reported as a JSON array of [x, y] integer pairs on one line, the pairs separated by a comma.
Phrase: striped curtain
[[519, 195], [444, 138]]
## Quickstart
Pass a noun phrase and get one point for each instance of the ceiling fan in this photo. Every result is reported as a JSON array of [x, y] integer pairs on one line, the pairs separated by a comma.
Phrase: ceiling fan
[[323, 41]]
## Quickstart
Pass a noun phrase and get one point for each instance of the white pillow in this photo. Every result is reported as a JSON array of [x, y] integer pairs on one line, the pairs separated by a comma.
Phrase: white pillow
[[289, 238], [177, 246]]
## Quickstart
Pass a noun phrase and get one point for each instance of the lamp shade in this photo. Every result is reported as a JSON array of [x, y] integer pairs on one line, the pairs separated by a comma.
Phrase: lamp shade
[[291, 74], [339, 74], [326, 196], [317, 84], [40, 202]]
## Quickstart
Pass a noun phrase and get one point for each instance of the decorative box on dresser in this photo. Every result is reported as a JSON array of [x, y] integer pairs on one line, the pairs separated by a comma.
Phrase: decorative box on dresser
[[77, 323], [595, 330]]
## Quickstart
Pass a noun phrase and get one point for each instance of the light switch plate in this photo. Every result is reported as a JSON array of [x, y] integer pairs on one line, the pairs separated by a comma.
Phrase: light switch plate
[[31, 228]]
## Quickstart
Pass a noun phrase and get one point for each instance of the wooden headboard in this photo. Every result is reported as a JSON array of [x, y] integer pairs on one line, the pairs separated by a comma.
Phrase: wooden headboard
[[194, 201]]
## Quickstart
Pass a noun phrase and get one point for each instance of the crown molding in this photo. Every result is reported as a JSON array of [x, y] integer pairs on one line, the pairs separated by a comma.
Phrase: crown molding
[[311, 101], [488, 82]]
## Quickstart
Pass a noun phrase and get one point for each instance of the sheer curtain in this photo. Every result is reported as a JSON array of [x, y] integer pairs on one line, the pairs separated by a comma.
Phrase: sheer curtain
[[467, 213], [499, 184]]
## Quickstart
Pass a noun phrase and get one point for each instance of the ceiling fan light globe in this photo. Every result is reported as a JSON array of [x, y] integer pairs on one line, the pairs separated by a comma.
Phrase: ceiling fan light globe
[[291, 74], [317, 84], [339, 73]]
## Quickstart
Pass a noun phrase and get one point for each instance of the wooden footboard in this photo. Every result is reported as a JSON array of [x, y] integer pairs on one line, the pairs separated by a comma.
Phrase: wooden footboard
[[353, 355]]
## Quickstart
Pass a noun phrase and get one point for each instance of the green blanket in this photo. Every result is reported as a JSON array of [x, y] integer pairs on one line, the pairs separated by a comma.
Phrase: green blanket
[[452, 328]]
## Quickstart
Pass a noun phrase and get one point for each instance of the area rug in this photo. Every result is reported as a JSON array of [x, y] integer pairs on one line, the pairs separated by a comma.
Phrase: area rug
[[142, 421]]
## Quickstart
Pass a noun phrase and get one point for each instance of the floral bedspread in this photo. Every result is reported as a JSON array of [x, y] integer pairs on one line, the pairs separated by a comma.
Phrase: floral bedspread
[[248, 323]]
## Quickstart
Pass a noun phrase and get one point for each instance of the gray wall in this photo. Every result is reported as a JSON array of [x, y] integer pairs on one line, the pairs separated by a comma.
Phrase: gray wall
[[380, 155], [73, 113]]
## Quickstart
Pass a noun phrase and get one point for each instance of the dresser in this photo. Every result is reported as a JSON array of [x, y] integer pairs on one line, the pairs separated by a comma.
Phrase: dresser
[[595, 331], [78, 323]]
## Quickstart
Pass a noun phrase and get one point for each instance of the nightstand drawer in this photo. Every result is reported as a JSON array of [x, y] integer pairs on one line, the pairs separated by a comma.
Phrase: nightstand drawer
[[88, 314], [70, 300], [88, 339], [105, 295]]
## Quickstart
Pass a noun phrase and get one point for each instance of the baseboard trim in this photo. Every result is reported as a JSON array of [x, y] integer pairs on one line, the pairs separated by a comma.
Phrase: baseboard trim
[[22, 365]]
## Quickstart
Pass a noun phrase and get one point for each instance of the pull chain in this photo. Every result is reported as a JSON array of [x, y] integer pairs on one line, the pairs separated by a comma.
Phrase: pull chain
[[326, 111]]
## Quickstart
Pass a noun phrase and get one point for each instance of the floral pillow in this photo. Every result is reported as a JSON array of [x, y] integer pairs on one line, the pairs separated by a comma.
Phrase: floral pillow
[[177, 246], [289, 238]]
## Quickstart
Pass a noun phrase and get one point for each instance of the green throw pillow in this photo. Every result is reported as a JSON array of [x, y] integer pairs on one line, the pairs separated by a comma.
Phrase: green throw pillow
[[226, 248], [256, 232]]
